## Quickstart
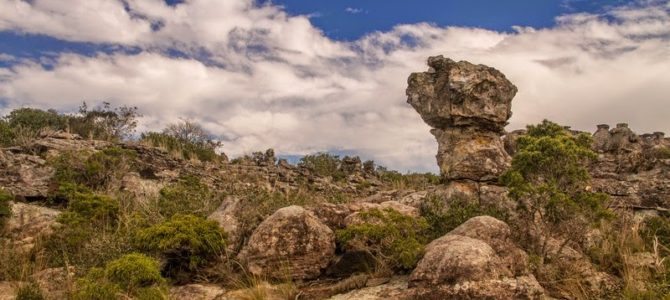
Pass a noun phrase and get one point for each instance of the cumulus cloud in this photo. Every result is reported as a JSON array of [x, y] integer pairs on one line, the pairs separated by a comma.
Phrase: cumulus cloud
[[260, 78]]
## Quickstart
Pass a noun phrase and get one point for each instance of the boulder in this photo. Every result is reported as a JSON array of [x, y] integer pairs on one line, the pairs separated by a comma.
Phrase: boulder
[[25, 175], [227, 216], [461, 94], [292, 242]]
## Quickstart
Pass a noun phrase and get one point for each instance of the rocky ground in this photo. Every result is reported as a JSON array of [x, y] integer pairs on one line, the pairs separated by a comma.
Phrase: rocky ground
[[294, 251]]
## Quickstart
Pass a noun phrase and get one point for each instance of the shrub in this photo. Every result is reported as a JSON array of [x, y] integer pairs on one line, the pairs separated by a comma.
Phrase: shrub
[[135, 275], [187, 196], [30, 291], [657, 229], [443, 218], [35, 119], [548, 180], [186, 241], [90, 208], [104, 122], [324, 164], [396, 240], [662, 153], [5, 209], [97, 171], [6, 134]]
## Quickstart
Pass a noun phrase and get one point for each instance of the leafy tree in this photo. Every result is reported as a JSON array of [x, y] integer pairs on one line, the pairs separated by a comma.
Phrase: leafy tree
[[549, 181], [36, 119], [105, 122]]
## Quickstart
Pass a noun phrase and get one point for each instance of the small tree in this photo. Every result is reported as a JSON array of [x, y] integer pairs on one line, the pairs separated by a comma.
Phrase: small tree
[[549, 181], [105, 122]]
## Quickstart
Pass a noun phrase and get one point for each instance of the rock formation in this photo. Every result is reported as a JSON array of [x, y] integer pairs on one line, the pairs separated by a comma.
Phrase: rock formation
[[292, 242], [468, 107]]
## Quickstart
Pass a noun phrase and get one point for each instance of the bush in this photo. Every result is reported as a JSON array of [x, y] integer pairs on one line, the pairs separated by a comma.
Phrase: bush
[[324, 164], [96, 171], [662, 153], [657, 229], [396, 240], [185, 241], [187, 196], [104, 122], [35, 119], [443, 218], [135, 275], [6, 134], [30, 291], [91, 208], [5, 209], [548, 179]]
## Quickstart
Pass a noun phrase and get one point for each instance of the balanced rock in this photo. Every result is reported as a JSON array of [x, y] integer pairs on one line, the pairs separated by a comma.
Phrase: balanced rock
[[468, 107], [290, 243]]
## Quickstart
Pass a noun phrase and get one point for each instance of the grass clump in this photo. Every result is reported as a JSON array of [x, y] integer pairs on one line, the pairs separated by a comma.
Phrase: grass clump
[[132, 275], [396, 240], [98, 171], [185, 241], [30, 291], [5, 209]]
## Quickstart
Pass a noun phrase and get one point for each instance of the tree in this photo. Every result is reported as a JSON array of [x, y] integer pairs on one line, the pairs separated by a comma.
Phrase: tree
[[549, 181], [105, 122]]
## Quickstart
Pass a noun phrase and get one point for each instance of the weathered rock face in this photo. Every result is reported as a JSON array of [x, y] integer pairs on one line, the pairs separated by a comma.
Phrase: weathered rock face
[[28, 222], [292, 242], [227, 216], [476, 260], [468, 106], [197, 292]]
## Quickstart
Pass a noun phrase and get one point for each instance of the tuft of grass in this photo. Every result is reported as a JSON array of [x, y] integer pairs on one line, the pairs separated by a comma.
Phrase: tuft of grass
[[5, 208], [30, 291]]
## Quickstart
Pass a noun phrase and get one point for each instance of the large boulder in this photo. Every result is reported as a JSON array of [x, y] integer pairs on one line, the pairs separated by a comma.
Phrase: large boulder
[[468, 107], [290, 243], [477, 260], [461, 94]]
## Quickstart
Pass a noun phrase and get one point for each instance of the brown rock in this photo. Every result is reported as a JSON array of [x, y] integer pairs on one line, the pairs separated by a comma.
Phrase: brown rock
[[197, 292], [28, 221], [292, 242]]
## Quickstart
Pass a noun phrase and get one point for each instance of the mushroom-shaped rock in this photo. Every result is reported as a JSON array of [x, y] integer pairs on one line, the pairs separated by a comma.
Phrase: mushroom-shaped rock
[[290, 242], [468, 107], [461, 94]]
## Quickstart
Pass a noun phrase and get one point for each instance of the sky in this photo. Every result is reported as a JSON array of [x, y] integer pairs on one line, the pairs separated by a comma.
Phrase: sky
[[307, 76]]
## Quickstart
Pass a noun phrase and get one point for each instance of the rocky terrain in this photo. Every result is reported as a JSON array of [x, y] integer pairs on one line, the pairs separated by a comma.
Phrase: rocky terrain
[[293, 232]]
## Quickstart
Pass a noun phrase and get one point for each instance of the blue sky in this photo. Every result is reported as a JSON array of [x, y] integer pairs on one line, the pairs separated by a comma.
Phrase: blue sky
[[351, 19], [304, 76]]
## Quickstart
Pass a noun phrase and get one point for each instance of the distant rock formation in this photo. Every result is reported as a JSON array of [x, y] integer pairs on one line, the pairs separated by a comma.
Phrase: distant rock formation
[[468, 107]]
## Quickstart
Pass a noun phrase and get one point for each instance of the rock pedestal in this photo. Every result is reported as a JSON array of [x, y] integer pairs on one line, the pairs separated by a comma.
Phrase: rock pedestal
[[468, 107]]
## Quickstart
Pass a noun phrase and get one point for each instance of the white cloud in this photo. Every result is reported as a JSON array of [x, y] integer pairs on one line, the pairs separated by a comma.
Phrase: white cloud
[[353, 10], [260, 78]]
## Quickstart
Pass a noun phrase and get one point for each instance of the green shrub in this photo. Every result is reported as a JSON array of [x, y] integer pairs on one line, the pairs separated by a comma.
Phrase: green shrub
[[96, 171], [396, 240], [30, 291], [657, 228], [5, 209], [135, 275], [187, 196], [186, 241], [91, 208], [6, 134], [36, 119], [324, 164], [443, 218], [662, 153]]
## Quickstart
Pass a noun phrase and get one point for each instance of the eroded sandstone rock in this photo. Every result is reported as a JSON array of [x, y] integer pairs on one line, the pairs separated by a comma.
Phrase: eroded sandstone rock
[[292, 242], [468, 107], [29, 221]]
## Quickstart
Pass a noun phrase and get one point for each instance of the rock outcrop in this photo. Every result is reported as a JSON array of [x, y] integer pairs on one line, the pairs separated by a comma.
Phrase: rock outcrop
[[468, 107], [477, 260], [28, 222], [292, 242]]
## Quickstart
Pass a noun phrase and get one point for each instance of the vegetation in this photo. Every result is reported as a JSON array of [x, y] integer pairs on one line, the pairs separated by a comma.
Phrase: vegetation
[[185, 241], [444, 216], [187, 140], [30, 291], [324, 164], [187, 196], [548, 179], [132, 275], [394, 239], [5, 209], [98, 171]]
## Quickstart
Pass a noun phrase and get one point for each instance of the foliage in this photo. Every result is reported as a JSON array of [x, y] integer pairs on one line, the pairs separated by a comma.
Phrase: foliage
[[443, 218], [5, 209], [104, 122], [186, 241], [409, 180], [188, 196], [90, 208], [395, 239], [36, 119], [134, 274], [182, 148], [657, 229], [324, 164], [96, 171], [6, 134], [662, 153], [29, 291], [548, 179]]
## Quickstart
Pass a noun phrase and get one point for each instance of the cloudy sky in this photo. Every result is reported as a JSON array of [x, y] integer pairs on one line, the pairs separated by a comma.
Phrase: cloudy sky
[[305, 76]]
